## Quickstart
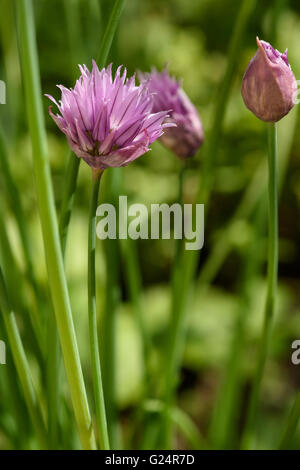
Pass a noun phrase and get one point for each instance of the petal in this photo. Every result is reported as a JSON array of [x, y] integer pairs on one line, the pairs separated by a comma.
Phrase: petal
[[84, 141], [101, 126], [130, 129], [59, 121], [107, 144], [124, 156]]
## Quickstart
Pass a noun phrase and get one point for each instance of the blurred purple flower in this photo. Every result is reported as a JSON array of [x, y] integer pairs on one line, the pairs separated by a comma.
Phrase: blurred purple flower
[[108, 122], [184, 139], [269, 87]]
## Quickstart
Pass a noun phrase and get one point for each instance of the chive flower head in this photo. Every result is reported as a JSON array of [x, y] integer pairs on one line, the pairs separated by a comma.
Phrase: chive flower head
[[108, 121], [184, 139]]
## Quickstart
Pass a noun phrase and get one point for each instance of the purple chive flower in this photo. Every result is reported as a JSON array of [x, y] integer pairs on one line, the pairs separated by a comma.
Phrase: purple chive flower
[[108, 122], [184, 139], [269, 87]]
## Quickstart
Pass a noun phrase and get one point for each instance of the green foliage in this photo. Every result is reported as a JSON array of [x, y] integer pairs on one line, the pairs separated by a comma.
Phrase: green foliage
[[193, 37]]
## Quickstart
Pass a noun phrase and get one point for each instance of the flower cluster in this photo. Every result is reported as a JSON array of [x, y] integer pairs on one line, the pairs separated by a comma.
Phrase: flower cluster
[[109, 122]]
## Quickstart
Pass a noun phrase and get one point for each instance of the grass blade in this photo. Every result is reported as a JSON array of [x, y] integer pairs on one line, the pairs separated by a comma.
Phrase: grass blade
[[57, 280]]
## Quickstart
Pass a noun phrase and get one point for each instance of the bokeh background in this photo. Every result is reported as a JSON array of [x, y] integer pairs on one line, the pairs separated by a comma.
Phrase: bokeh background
[[192, 36]]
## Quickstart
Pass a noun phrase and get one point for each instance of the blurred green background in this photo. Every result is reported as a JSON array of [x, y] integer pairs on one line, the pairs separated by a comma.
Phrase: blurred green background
[[193, 37]]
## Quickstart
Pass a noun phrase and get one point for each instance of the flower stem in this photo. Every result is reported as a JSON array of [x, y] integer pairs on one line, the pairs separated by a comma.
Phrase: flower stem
[[94, 343], [271, 286], [21, 364], [56, 275]]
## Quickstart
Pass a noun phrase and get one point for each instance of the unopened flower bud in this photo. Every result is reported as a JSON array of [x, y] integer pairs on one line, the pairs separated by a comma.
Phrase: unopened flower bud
[[269, 87]]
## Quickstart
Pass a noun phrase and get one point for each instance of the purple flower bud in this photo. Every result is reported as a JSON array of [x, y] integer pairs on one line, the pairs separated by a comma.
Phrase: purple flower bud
[[108, 122], [269, 87], [184, 139]]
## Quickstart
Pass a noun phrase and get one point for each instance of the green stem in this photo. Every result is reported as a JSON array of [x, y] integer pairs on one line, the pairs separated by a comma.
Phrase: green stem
[[291, 425], [56, 275], [94, 343], [271, 286], [21, 364]]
